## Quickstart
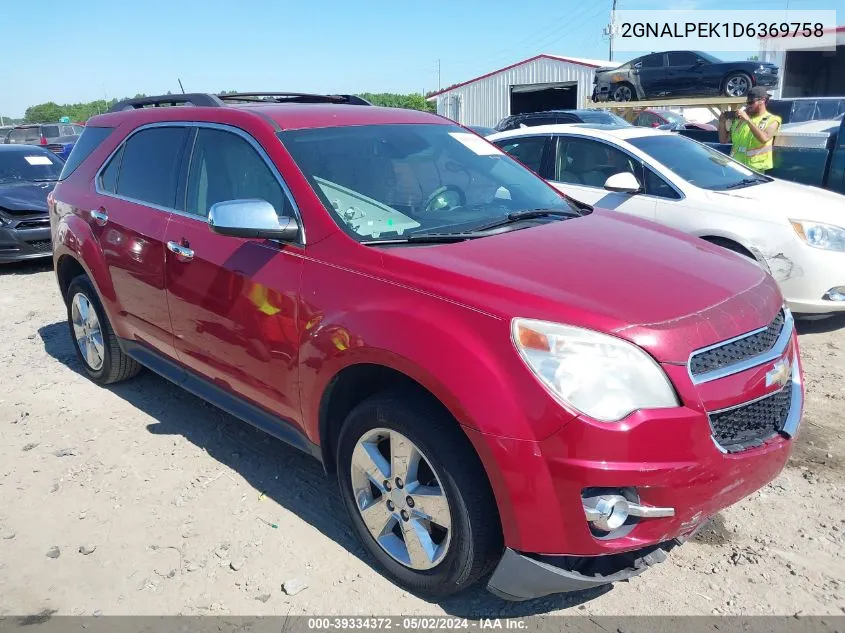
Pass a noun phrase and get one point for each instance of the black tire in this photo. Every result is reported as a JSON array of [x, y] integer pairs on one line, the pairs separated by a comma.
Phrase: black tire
[[475, 545], [116, 365], [735, 76], [623, 92]]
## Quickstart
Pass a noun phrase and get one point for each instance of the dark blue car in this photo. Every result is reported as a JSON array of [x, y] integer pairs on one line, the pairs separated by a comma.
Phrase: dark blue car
[[28, 174]]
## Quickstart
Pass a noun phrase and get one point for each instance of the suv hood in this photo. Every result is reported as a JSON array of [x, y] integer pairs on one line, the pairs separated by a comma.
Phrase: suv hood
[[654, 286], [25, 196], [788, 200]]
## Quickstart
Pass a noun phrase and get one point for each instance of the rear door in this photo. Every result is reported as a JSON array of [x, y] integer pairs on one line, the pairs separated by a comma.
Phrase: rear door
[[531, 151], [651, 73], [138, 191], [234, 301], [582, 165]]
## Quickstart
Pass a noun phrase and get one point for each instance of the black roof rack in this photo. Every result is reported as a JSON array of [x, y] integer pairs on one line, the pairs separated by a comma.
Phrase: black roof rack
[[197, 99], [292, 97], [216, 101]]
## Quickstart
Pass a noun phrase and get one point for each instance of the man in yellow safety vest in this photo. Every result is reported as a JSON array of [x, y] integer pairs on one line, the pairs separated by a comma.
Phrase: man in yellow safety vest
[[751, 131]]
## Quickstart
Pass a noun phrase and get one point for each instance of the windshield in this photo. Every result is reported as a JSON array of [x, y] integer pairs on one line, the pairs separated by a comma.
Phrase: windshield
[[605, 118], [698, 164], [28, 166], [382, 182], [672, 117]]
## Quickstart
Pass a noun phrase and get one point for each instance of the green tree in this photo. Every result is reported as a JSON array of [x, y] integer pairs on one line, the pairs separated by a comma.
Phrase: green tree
[[413, 101]]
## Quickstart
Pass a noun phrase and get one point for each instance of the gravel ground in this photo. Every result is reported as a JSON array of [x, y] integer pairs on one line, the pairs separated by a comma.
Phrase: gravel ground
[[142, 499]]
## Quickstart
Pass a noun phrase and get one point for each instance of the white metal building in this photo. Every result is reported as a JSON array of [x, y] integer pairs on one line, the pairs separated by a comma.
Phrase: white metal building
[[542, 82], [805, 71]]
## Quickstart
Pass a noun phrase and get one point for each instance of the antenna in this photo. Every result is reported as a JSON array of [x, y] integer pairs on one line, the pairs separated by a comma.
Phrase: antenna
[[183, 89]]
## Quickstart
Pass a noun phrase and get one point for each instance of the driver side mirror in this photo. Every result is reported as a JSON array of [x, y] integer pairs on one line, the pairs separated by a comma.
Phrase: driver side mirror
[[251, 219], [623, 182]]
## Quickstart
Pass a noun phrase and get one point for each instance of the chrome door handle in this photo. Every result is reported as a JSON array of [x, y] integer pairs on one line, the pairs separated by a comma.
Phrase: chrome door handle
[[182, 251], [99, 217]]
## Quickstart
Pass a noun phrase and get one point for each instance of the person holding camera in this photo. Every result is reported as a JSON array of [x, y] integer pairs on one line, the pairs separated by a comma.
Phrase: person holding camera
[[751, 131]]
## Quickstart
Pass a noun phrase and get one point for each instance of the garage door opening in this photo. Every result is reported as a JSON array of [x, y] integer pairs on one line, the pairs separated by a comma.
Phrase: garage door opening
[[542, 97], [814, 73]]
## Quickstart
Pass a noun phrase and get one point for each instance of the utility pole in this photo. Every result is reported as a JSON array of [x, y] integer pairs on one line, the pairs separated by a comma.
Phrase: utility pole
[[611, 28], [439, 86]]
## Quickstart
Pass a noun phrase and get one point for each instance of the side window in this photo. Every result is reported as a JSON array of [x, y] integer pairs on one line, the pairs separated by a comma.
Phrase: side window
[[87, 143], [224, 166], [682, 59], [653, 61], [149, 170], [656, 186], [582, 161], [527, 149], [108, 177], [16, 136]]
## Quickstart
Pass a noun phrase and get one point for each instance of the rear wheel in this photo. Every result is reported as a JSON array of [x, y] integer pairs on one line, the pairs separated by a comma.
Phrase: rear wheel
[[624, 92], [95, 343], [417, 495], [737, 85]]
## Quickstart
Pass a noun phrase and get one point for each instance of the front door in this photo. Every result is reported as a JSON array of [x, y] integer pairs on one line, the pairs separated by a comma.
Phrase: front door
[[581, 167], [138, 187], [651, 73], [233, 301]]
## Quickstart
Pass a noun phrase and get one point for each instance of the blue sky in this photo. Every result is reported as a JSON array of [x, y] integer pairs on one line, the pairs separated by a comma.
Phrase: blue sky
[[114, 48]]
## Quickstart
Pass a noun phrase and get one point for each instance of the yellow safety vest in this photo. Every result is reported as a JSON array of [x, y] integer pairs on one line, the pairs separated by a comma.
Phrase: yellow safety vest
[[747, 149]]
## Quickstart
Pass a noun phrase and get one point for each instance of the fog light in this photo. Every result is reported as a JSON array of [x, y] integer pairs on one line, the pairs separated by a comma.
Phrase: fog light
[[609, 512], [836, 294]]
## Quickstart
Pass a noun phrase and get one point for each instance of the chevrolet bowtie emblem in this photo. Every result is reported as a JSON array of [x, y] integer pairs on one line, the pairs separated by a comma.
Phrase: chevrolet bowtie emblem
[[779, 374]]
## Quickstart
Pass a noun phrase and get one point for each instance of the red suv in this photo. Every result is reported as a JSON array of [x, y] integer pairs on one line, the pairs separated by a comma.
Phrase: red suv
[[507, 386]]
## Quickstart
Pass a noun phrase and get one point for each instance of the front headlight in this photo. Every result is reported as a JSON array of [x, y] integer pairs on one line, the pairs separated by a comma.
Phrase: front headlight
[[602, 376], [818, 235]]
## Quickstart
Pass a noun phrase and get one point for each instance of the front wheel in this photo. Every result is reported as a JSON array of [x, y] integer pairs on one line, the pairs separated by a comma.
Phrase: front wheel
[[737, 85], [417, 495]]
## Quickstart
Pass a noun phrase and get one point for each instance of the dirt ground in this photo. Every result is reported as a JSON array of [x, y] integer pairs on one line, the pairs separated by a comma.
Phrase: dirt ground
[[142, 499]]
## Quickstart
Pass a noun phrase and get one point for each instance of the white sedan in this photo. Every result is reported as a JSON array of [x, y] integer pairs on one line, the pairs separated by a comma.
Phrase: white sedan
[[794, 231]]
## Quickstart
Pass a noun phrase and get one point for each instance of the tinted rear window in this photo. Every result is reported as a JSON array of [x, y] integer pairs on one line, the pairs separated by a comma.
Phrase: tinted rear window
[[50, 131], [150, 167], [87, 143]]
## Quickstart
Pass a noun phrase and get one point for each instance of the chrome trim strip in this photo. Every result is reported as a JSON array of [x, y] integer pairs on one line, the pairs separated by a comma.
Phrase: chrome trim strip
[[776, 352], [199, 124]]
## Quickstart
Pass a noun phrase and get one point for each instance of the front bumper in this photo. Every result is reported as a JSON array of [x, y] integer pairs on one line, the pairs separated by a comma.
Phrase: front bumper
[[17, 244], [670, 457], [518, 577], [766, 80], [806, 274]]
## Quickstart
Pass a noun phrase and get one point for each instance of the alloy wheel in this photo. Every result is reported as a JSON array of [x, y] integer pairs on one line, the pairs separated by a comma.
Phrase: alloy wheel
[[737, 86], [400, 499], [622, 93], [87, 331]]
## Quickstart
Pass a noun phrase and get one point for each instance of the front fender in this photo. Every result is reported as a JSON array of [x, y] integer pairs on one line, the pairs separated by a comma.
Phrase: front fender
[[465, 358]]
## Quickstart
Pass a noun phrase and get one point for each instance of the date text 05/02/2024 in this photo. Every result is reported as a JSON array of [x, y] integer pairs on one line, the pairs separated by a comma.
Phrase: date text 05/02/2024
[[412, 623], [721, 29]]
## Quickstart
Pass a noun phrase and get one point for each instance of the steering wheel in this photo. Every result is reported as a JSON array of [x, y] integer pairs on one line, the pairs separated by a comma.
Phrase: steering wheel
[[445, 197]]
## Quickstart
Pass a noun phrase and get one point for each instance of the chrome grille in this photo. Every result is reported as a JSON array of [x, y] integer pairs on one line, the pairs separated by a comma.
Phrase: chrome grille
[[750, 425], [722, 357]]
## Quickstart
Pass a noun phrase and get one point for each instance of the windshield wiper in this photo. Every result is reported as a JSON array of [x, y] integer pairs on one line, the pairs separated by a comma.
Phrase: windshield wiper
[[430, 238], [44, 180], [745, 182], [528, 214]]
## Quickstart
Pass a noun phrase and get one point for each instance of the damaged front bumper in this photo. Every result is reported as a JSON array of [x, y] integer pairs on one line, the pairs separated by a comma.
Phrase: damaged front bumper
[[525, 577]]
